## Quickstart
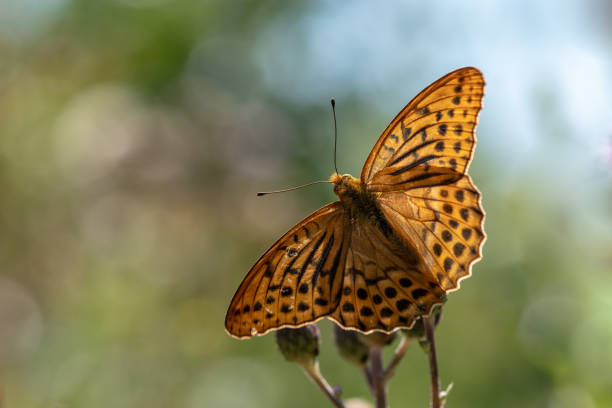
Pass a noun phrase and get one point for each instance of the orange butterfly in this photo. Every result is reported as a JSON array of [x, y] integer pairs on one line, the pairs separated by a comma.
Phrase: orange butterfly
[[399, 239]]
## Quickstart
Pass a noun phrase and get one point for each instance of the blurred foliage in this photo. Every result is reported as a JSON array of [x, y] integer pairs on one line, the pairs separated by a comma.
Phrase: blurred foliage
[[134, 134]]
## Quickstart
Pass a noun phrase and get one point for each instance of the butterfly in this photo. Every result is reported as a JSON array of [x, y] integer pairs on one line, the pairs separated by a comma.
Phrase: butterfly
[[396, 242]]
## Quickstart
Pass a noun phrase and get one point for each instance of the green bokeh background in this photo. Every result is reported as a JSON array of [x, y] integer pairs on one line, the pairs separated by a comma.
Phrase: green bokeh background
[[134, 134]]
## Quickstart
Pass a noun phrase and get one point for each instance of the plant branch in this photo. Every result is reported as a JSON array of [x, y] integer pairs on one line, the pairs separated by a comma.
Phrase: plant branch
[[379, 385], [367, 375], [312, 371], [398, 355], [430, 348]]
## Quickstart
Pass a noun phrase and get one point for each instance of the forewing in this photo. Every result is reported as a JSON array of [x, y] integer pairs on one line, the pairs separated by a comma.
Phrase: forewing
[[297, 280], [385, 285], [443, 223], [431, 141]]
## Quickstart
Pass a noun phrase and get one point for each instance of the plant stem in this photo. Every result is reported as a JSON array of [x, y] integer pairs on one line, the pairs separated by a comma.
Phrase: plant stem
[[398, 355], [312, 371], [379, 384], [368, 377], [433, 363]]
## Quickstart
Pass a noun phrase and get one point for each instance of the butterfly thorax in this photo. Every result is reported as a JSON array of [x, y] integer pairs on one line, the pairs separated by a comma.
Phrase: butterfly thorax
[[346, 186], [359, 203]]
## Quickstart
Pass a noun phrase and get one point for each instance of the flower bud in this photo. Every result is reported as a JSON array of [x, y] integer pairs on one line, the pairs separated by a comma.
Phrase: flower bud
[[378, 339], [299, 345], [351, 346]]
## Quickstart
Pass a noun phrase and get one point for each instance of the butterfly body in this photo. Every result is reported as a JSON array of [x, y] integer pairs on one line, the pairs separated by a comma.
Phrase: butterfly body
[[400, 237], [356, 200]]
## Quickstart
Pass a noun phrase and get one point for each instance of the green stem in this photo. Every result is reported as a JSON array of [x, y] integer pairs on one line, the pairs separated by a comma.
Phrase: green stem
[[379, 384], [312, 371], [368, 378], [436, 402]]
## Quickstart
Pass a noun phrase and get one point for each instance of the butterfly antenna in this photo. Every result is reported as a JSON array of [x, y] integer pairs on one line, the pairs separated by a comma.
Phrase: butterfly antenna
[[262, 193], [333, 104]]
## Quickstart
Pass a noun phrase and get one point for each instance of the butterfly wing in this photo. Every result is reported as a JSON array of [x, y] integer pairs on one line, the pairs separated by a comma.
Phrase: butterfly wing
[[385, 285], [443, 223], [431, 141], [417, 171], [297, 281]]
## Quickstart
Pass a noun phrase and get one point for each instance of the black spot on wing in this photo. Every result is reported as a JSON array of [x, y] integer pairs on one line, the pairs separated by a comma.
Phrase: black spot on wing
[[386, 312], [406, 133], [402, 304], [423, 134], [362, 294], [348, 307], [366, 311], [390, 292], [459, 195], [458, 249], [448, 263], [418, 293]]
